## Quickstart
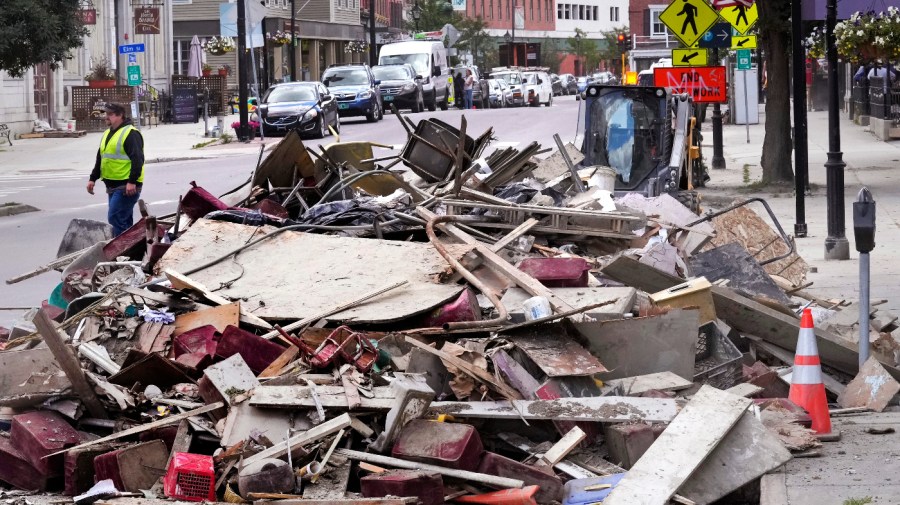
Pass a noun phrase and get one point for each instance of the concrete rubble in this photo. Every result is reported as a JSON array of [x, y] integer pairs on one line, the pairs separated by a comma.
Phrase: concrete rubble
[[340, 331]]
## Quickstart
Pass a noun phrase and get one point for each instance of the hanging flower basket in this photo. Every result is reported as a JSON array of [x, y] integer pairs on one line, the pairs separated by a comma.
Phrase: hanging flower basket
[[356, 46], [218, 46], [279, 38], [815, 43]]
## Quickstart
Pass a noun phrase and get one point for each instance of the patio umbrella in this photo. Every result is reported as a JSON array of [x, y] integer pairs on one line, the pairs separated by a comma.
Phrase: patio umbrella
[[196, 54]]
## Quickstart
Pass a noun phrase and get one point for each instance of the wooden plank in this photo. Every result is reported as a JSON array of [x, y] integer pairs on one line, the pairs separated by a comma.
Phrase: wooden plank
[[298, 275], [330, 397], [606, 409], [787, 357], [492, 480], [343, 501], [747, 452], [631, 272], [182, 441], [146, 427], [468, 369], [561, 449], [280, 362], [514, 234], [69, 363], [323, 430], [220, 317], [773, 489], [30, 376], [660, 381], [680, 450], [154, 337], [180, 281]]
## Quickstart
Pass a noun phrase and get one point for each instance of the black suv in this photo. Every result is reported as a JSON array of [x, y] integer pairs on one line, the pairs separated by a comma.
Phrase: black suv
[[401, 86], [356, 90]]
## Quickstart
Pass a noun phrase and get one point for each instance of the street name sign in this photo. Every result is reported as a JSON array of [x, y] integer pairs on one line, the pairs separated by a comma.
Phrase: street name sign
[[134, 75], [719, 36], [688, 20], [741, 18], [131, 48], [690, 57], [704, 84], [744, 59], [743, 42]]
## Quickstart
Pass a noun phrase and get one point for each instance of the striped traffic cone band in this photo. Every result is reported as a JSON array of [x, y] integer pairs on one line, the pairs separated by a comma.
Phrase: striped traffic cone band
[[807, 388]]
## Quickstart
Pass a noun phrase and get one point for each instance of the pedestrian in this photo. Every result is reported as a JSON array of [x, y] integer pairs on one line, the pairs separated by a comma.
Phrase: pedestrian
[[881, 72], [458, 89], [468, 87], [120, 164]]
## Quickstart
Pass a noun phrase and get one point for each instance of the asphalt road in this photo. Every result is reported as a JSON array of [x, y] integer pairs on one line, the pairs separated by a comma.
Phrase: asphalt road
[[30, 240]]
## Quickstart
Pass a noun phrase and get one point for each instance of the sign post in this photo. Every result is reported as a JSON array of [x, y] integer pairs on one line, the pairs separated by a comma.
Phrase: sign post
[[743, 66]]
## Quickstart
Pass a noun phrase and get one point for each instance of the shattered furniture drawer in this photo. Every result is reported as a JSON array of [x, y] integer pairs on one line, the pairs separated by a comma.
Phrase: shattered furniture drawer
[[449, 445], [39, 434], [427, 487]]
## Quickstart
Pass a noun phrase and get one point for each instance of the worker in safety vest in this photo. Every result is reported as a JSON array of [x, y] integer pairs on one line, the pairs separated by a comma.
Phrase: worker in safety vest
[[120, 163]]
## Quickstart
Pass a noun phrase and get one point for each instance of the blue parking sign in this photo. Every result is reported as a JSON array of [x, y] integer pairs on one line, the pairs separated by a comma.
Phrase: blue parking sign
[[132, 58]]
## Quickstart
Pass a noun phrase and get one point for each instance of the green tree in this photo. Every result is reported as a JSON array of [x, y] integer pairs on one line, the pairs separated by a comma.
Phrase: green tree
[[434, 14], [473, 38], [584, 49], [775, 34], [38, 31], [551, 56]]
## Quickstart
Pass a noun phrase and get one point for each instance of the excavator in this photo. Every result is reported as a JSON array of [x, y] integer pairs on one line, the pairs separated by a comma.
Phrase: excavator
[[649, 136]]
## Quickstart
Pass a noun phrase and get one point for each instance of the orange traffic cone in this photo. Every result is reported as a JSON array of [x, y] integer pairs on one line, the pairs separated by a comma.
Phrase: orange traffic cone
[[524, 496], [807, 388]]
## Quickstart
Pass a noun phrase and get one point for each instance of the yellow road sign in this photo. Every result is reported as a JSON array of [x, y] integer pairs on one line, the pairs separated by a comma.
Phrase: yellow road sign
[[743, 42], [690, 57], [741, 18], [688, 20]]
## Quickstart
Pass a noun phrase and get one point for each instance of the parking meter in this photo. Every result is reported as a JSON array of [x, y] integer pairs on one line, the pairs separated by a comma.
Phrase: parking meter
[[864, 221]]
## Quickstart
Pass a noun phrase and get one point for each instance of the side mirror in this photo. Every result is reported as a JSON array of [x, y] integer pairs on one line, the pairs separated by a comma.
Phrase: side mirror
[[377, 82], [419, 77], [326, 82], [436, 71], [540, 81], [263, 109], [326, 97]]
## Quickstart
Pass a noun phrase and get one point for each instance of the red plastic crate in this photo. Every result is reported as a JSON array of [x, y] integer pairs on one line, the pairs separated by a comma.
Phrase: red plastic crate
[[190, 477]]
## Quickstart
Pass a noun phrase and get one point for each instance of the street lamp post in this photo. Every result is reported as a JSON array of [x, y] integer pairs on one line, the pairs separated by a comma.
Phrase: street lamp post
[[836, 245], [513, 17], [416, 14], [507, 38]]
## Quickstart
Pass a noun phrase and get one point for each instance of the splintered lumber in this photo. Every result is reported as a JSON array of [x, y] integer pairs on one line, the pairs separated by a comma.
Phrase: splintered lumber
[[491, 480], [468, 369], [680, 450], [180, 281], [323, 430], [661, 381], [70, 365], [146, 427], [409, 500], [605, 409], [562, 448]]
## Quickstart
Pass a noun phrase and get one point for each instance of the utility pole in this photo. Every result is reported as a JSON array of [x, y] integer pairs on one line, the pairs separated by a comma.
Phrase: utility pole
[[801, 154], [513, 17], [292, 56], [372, 56], [243, 130], [836, 245], [718, 159]]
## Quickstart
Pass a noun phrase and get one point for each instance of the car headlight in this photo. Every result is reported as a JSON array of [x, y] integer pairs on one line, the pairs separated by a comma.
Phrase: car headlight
[[310, 114], [408, 87], [364, 94]]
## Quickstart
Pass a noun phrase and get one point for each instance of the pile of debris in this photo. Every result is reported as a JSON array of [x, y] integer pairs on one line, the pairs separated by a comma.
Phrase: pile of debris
[[484, 330]]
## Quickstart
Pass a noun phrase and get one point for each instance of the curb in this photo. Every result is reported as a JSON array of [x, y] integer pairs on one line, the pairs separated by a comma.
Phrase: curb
[[16, 208]]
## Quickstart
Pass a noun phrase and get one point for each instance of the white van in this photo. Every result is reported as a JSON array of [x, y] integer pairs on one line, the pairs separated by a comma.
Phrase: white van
[[515, 80], [539, 88], [429, 58]]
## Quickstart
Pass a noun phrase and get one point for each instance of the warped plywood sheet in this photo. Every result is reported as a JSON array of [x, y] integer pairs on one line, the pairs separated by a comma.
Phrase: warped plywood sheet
[[296, 275]]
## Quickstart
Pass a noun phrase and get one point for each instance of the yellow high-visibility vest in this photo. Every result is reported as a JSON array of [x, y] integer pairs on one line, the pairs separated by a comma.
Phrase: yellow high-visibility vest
[[115, 165]]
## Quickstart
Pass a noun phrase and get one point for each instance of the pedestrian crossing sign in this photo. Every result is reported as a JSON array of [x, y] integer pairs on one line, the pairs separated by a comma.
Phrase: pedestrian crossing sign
[[741, 18], [688, 20]]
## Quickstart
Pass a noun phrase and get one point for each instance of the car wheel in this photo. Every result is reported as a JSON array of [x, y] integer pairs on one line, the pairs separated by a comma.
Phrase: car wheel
[[372, 116], [549, 101], [445, 104], [432, 104], [322, 130]]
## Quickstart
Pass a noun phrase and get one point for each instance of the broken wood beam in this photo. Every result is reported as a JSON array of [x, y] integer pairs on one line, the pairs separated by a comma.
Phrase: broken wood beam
[[561, 449], [323, 430], [180, 281], [70, 365], [468, 369], [491, 480], [147, 427]]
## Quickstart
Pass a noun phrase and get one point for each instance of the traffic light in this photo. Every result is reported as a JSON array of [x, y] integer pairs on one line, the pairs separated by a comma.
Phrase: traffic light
[[624, 42]]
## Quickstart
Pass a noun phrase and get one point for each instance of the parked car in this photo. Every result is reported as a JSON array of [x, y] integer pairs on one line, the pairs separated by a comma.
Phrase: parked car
[[480, 92], [500, 93], [401, 86], [429, 58], [306, 107], [569, 84], [516, 82], [356, 90], [605, 78], [540, 90], [557, 85]]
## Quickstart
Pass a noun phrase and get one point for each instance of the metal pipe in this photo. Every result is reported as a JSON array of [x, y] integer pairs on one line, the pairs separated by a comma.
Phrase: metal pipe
[[503, 316], [863, 308], [801, 154]]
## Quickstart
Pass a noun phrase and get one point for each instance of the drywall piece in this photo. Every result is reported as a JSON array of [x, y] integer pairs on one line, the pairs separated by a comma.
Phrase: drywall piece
[[748, 452], [623, 299], [323, 430], [660, 381], [554, 352], [29, 377], [873, 388], [270, 274], [244, 419], [669, 212], [230, 377], [681, 449], [646, 345]]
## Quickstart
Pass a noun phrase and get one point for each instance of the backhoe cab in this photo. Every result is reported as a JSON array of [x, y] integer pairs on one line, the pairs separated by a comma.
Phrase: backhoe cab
[[648, 136]]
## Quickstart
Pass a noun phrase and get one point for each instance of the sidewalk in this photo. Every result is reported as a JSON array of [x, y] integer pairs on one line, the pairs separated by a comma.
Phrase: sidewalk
[[166, 142], [859, 465]]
